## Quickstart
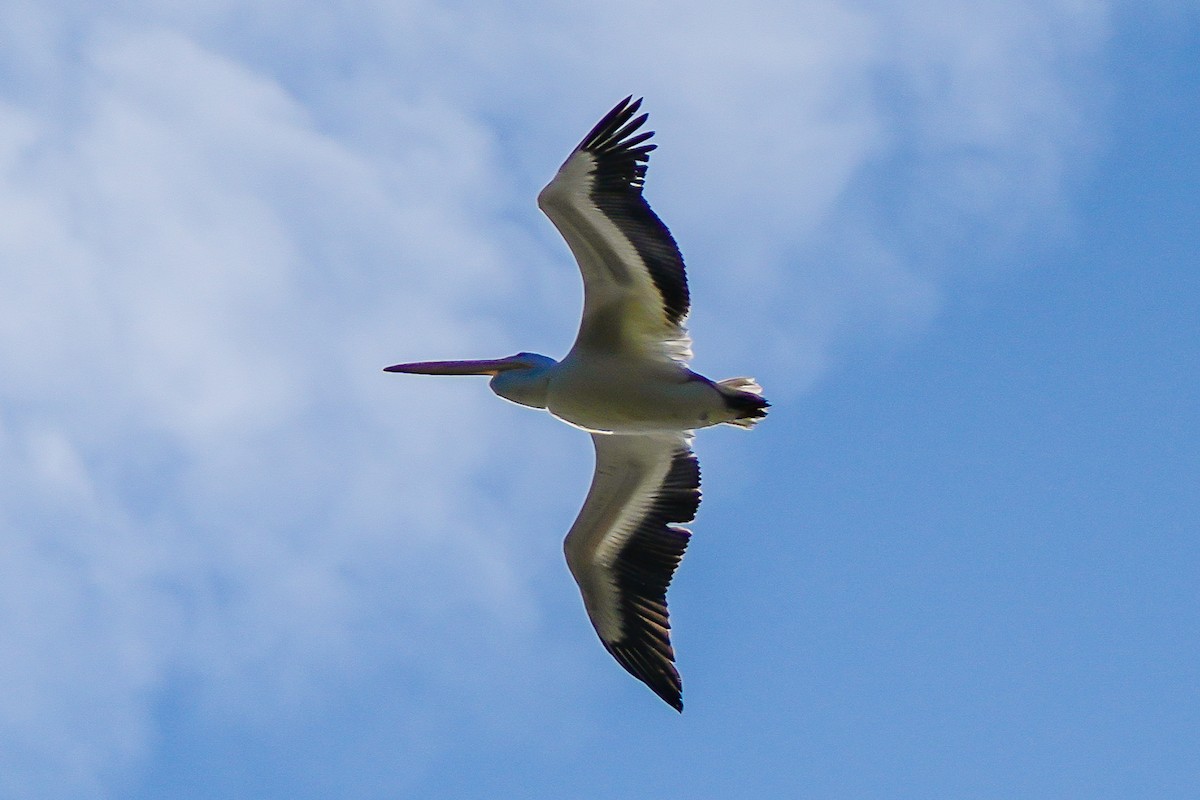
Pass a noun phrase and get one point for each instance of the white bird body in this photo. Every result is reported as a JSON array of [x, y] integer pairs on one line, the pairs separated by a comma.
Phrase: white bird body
[[620, 393], [626, 381]]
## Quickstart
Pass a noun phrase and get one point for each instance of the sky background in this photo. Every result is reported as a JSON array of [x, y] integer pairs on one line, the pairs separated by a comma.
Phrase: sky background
[[956, 242]]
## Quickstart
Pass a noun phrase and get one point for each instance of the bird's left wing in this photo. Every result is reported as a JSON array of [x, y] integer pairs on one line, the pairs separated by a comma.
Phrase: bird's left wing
[[635, 286], [623, 549]]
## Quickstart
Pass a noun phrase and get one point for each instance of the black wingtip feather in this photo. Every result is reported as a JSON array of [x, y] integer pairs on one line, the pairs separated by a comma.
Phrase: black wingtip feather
[[664, 683], [611, 121]]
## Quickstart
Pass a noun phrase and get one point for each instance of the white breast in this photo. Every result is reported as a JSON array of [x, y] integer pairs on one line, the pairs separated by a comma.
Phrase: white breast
[[622, 395]]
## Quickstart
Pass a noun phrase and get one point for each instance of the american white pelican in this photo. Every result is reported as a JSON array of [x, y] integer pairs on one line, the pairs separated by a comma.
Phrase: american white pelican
[[626, 381]]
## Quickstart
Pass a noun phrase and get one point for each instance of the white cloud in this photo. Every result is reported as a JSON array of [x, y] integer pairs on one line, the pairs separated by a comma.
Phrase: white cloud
[[183, 301], [221, 223]]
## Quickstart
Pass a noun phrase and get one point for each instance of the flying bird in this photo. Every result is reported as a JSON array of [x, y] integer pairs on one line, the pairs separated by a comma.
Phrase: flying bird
[[626, 381]]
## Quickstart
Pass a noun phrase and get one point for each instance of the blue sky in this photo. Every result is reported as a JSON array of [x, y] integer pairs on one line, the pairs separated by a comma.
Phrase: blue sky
[[956, 242]]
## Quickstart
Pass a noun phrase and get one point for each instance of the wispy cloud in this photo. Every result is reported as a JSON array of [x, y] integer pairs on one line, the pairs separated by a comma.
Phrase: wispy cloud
[[221, 222], [201, 473]]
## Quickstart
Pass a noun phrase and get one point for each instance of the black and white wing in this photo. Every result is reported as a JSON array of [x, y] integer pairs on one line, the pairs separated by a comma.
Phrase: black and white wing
[[635, 287], [624, 548]]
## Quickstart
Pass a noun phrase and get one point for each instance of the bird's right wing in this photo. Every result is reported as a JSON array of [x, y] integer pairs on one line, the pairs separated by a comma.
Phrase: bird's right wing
[[623, 549]]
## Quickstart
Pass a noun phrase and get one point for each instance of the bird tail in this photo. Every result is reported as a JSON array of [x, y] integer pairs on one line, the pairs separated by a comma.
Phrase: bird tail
[[743, 396]]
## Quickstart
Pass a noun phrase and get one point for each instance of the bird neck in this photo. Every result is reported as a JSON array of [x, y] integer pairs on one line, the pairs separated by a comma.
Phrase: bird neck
[[526, 386]]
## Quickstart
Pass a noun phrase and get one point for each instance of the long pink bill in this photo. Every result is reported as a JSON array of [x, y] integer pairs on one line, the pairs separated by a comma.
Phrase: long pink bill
[[484, 367]]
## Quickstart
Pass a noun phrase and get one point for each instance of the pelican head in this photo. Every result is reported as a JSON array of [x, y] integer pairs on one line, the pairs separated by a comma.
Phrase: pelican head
[[522, 378]]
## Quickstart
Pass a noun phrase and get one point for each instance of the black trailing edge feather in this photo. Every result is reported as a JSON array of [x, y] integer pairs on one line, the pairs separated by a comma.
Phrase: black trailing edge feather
[[620, 172], [643, 571]]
